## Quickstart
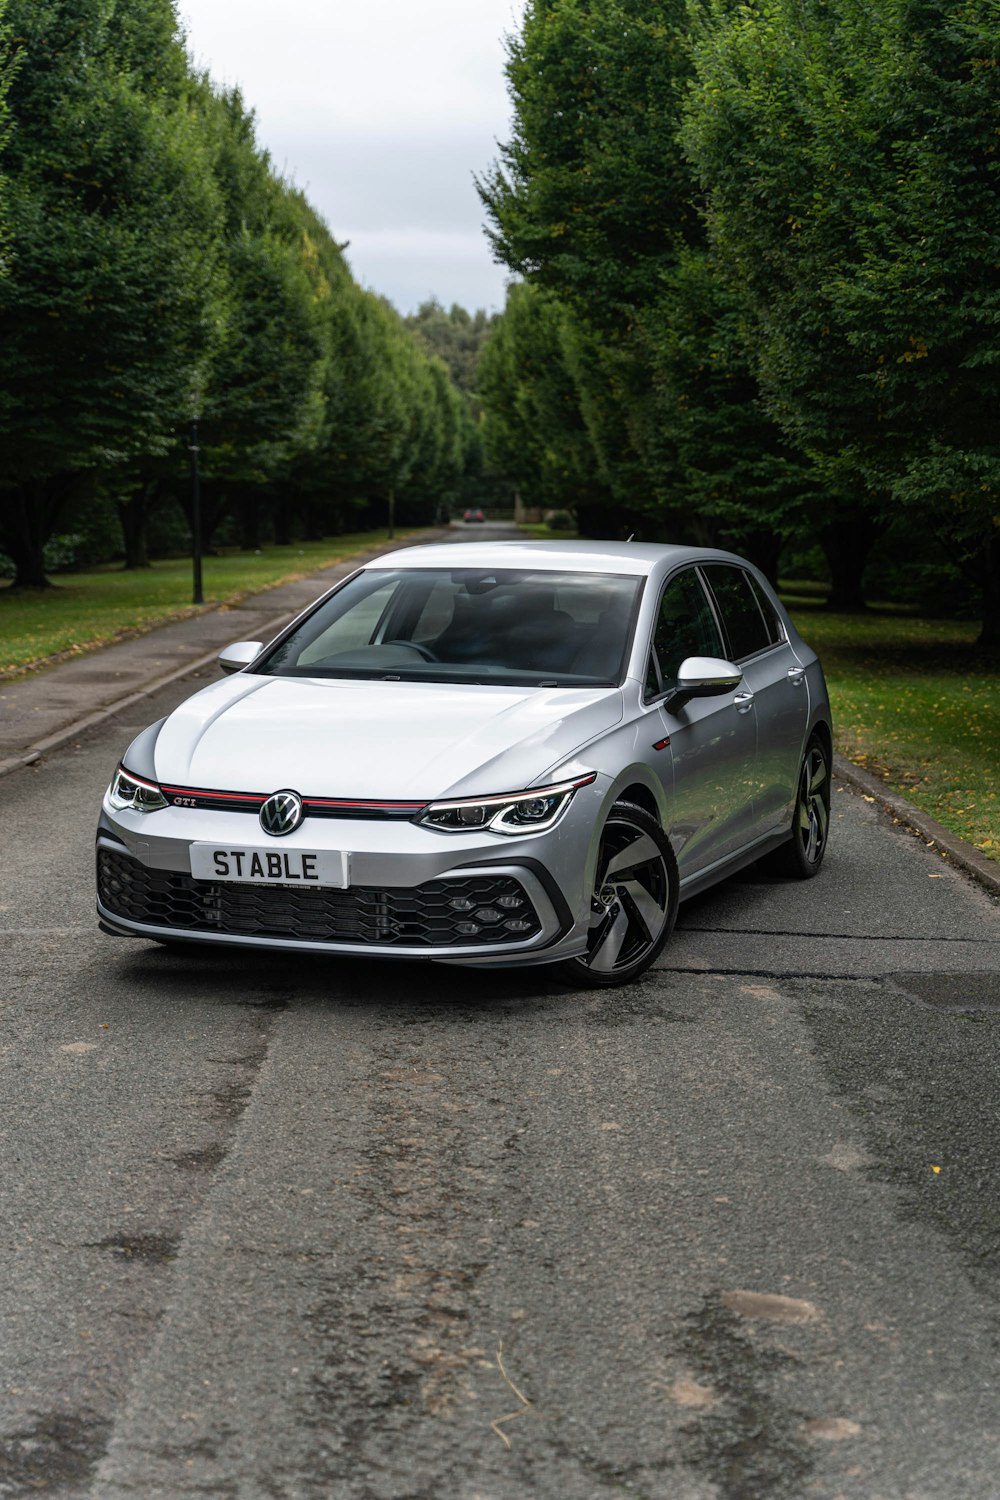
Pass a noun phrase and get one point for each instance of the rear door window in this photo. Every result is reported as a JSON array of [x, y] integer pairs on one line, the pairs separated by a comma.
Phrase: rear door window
[[744, 624], [775, 629]]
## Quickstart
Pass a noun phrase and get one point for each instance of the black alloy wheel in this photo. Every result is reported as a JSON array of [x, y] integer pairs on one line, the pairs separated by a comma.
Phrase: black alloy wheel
[[634, 904], [802, 856]]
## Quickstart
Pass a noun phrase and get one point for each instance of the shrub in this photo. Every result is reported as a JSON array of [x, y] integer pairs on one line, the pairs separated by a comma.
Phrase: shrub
[[560, 520]]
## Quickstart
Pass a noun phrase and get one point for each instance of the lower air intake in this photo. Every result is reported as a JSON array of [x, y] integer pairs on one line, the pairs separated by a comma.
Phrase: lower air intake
[[476, 911]]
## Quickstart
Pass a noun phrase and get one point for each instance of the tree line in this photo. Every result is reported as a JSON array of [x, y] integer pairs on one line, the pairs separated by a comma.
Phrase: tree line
[[154, 270], [759, 304]]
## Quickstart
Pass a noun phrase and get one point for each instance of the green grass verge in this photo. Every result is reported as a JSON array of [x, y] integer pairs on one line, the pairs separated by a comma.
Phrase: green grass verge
[[86, 610], [913, 704]]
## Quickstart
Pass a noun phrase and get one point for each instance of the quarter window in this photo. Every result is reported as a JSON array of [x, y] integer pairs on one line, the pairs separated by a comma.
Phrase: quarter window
[[741, 617]]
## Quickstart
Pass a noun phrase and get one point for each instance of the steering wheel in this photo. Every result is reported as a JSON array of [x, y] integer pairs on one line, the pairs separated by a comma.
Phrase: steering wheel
[[423, 651]]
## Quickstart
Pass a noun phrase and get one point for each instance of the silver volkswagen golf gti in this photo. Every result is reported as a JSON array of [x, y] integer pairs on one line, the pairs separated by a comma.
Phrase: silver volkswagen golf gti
[[499, 754]]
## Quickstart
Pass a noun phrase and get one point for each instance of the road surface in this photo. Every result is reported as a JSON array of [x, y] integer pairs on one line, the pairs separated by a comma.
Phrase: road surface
[[281, 1227]]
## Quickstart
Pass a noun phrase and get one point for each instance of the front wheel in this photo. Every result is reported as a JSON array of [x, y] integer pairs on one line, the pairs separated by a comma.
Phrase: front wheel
[[634, 903]]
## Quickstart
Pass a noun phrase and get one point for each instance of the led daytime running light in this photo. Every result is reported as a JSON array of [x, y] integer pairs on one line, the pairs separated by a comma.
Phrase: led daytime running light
[[132, 792], [511, 813]]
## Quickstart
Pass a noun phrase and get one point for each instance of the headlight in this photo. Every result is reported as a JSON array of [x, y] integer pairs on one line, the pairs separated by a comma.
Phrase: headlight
[[130, 791], [512, 812]]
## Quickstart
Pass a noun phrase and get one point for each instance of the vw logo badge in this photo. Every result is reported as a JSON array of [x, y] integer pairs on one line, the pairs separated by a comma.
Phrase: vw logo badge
[[281, 813]]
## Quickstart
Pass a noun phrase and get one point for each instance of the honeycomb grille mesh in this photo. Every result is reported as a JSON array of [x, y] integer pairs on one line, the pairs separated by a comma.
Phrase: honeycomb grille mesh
[[474, 911]]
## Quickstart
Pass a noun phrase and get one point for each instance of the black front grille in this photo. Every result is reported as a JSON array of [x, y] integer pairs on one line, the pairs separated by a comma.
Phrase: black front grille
[[426, 916]]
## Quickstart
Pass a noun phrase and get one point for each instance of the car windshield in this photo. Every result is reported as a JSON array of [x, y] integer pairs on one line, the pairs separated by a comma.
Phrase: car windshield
[[496, 625]]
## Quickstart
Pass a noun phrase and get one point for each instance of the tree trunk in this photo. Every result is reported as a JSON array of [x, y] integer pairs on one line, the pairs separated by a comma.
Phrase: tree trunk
[[989, 636], [847, 543], [763, 547], [249, 507], [28, 515], [214, 503], [313, 520], [29, 562], [283, 526], [135, 529]]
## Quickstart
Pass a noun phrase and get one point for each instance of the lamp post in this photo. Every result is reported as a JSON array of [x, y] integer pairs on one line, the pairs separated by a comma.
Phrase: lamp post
[[199, 597]]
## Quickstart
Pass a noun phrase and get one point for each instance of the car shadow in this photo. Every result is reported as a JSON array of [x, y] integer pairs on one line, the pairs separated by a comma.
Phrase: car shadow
[[268, 980]]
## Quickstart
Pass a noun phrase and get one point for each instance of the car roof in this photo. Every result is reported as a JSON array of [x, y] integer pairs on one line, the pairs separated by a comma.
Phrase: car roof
[[639, 558]]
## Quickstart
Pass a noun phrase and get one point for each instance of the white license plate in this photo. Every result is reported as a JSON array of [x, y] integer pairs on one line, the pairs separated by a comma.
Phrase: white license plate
[[291, 867]]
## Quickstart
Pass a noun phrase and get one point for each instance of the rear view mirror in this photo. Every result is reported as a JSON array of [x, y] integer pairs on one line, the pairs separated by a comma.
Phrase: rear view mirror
[[240, 654], [703, 677]]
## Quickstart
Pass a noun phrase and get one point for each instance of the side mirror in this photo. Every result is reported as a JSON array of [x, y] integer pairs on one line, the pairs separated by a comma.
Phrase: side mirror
[[233, 658], [703, 677]]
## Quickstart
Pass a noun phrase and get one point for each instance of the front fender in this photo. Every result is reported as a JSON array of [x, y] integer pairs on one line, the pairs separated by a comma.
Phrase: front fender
[[139, 755]]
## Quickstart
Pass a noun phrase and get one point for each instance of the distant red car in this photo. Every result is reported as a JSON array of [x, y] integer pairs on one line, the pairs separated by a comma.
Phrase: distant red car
[[473, 515]]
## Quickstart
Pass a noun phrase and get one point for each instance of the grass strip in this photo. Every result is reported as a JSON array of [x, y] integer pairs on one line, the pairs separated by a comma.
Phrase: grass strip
[[84, 611], [914, 705]]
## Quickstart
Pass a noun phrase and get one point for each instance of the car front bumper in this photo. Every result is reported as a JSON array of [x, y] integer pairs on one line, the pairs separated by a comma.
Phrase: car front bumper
[[413, 893]]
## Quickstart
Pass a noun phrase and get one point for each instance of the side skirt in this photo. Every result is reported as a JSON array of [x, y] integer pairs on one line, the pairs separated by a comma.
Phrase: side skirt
[[693, 885]]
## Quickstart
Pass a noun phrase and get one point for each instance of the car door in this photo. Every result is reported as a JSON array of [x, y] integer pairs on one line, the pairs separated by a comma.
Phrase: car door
[[712, 741], [755, 640]]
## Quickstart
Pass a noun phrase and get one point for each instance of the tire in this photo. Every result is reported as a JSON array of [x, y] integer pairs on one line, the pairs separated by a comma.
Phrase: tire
[[802, 856], [634, 905]]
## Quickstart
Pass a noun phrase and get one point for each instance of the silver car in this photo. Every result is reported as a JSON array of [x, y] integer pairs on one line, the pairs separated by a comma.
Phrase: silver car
[[499, 754]]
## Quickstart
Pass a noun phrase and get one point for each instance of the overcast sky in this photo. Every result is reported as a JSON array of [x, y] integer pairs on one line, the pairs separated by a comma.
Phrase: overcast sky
[[381, 110]]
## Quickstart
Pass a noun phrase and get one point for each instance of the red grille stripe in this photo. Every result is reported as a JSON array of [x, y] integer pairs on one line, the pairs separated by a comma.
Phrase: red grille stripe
[[341, 802], [200, 794]]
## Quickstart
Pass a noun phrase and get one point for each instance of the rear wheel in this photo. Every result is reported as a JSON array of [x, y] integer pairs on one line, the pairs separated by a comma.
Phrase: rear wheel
[[802, 856], [634, 903]]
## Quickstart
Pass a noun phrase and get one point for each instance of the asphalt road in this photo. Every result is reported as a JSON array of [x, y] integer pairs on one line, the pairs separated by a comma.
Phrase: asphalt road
[[276, 1227]]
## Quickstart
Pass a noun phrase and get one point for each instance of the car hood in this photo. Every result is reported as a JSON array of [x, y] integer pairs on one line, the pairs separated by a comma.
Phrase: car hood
[[339, 738]]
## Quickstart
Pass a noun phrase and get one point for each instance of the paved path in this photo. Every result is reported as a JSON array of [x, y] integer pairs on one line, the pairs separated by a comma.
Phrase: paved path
[[36, 711]]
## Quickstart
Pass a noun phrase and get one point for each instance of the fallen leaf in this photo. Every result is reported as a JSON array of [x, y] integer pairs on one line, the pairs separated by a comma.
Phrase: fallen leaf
[[771, 1306], [691, 1393], [832, 1429]]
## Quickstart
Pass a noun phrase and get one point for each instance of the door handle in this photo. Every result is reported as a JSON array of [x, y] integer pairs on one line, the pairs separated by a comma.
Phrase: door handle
[[743, 702], [796, 676]]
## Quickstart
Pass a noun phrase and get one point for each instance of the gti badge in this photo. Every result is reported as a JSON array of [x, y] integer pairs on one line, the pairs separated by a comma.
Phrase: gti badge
[[281, 813]]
